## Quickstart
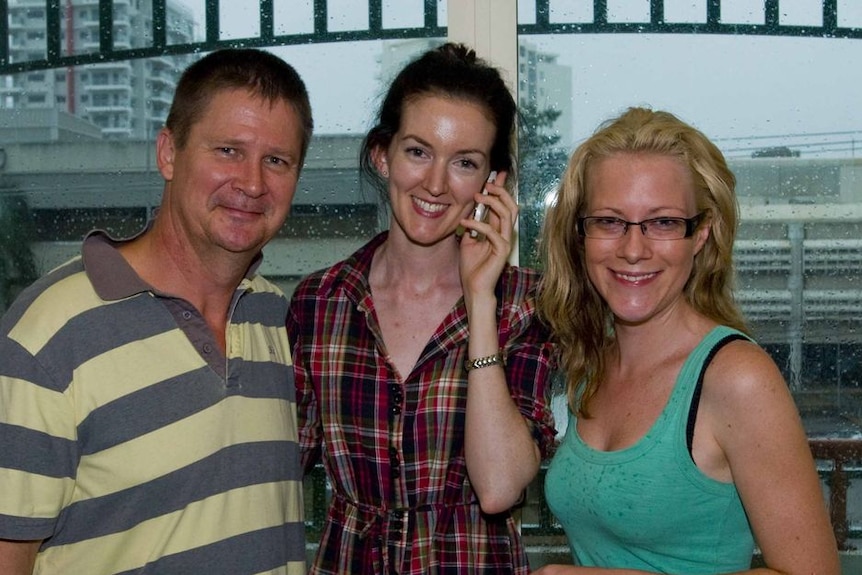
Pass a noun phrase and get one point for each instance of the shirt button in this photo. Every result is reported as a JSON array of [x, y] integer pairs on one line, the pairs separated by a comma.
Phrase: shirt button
[[394, 463], [207, 348], [187, 315]]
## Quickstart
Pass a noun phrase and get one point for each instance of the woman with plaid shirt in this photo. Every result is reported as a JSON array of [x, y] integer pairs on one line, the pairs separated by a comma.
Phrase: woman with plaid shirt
[[421, 369]]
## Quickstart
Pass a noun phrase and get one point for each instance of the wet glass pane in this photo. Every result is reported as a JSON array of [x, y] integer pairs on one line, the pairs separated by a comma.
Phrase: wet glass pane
[[293, 17], [333, 213], [799, 249], [347, 15], [79, 25], [404, 14], [18, 267], [237, 21], [184, 21], [125, 18], [685, 11], [801, 13], [849, 14], [796, 155], [442, 12], [28, 38], [743, 12], [628, 10], [568, 11]]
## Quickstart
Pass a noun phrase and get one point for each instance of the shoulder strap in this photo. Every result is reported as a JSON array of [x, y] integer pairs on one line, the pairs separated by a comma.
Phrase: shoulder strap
[[695, 400]]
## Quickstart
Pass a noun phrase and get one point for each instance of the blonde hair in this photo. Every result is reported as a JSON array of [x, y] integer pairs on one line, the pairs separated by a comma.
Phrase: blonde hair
[[579, 318]]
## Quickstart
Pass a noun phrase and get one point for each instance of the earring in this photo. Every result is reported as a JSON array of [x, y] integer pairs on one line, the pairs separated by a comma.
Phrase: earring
[[385, 173]]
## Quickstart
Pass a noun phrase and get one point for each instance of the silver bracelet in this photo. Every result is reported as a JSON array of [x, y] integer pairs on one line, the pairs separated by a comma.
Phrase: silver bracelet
[[487, 361]]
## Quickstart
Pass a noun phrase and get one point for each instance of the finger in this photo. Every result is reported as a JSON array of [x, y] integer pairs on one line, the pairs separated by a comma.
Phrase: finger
[[500, 180], [503, 210]]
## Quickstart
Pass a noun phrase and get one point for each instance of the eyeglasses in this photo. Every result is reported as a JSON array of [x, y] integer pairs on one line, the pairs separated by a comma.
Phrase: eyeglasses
[[665, 228]]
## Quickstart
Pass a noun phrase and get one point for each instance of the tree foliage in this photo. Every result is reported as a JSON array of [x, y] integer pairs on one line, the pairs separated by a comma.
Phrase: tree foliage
[[541, 161], [17, 232]]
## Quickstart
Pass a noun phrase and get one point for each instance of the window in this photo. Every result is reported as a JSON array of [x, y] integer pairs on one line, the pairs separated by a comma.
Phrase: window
[[797, 164], [753, 82], [776, 89]]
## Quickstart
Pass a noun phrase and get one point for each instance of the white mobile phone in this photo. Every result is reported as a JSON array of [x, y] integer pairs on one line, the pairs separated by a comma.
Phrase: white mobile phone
[[480, 212]]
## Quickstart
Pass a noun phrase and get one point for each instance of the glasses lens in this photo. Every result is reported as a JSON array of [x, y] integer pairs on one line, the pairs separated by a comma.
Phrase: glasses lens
[[604, 227], [665, 228]]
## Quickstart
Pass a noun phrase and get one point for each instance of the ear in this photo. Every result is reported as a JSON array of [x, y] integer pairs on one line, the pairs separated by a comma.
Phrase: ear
[[165, 152], [381, 162], [702, 234]]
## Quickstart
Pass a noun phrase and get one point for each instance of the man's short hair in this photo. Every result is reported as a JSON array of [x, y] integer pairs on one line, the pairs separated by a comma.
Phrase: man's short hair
[[261, 73]]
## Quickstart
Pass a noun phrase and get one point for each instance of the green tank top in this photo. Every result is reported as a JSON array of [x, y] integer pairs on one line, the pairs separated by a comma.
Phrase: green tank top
[[648, 506]]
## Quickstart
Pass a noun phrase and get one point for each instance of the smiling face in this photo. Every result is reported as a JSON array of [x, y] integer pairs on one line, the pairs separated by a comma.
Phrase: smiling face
[[639, 278], [230, 186], [436, 162]]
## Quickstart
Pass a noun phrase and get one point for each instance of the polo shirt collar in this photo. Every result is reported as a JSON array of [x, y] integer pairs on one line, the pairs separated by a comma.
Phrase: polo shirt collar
[[111, 275]]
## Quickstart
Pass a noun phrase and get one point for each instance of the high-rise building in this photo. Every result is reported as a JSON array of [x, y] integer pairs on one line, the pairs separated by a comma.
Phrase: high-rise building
[[543, 83], [126, 99]]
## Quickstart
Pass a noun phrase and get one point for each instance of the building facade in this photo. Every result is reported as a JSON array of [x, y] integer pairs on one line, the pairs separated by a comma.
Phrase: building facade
[[127, 99]]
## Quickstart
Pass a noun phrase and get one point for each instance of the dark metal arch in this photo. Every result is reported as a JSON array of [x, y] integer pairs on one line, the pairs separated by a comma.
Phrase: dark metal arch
[[267, 38], [711, 24], [657, 24]]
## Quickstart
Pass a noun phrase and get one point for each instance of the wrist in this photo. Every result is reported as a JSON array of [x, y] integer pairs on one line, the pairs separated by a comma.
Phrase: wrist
[[480, 304]]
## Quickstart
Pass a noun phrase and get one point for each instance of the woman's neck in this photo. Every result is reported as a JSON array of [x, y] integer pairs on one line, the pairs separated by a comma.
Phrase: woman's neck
[[644, 344], [400, 262]]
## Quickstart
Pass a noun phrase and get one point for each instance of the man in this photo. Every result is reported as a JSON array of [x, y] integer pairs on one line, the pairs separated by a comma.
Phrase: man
[[147, 414]]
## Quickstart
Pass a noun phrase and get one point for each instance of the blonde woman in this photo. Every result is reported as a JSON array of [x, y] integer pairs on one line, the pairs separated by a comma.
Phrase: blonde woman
[[684, 448]]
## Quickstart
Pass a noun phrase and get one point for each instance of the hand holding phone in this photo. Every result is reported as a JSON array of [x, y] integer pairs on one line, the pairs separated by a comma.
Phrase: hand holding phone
[[480, 212]]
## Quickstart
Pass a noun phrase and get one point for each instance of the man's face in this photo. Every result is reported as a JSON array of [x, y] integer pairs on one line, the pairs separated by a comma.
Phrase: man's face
[[230, 187]]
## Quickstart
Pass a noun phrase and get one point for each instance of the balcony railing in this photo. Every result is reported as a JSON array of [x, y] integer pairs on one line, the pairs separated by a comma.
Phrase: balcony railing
[[839, 465], [540, 22]]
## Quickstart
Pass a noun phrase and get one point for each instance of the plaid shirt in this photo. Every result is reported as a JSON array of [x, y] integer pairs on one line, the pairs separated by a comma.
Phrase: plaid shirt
[[393, 450]]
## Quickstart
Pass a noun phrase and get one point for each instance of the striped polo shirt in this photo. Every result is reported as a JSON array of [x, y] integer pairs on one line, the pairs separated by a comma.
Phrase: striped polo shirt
[[130, 444]]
